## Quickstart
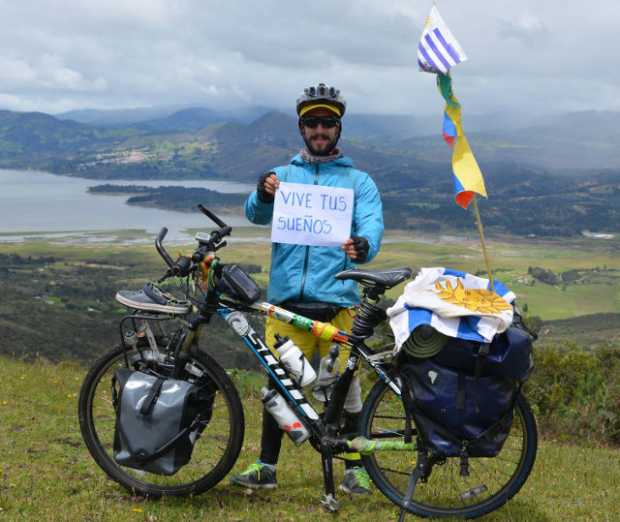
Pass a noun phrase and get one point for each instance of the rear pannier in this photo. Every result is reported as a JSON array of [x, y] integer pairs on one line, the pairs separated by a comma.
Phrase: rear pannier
[[462, 399]]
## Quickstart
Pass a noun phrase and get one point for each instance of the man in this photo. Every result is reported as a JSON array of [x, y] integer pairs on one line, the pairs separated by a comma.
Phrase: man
[[302, 277]]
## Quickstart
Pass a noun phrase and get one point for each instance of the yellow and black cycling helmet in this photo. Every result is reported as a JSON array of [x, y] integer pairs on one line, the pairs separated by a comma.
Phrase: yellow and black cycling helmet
[[321, 96]]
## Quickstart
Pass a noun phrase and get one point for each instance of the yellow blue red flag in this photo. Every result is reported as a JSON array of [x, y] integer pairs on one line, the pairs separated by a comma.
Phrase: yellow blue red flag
[[438, 52]]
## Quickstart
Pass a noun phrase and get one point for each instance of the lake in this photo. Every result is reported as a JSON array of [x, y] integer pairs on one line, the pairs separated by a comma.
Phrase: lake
[[38, 203]]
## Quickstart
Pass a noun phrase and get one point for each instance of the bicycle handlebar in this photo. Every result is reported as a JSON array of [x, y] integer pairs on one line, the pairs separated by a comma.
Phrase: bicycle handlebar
[[160, 247], [183, 265], [212, 216]]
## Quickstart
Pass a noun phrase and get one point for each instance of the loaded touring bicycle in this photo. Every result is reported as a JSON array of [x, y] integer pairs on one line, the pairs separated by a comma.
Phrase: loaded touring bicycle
[[161, 417]]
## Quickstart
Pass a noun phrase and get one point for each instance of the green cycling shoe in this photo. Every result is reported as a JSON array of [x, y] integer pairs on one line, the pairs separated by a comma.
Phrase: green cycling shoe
[[356, 481], [256, 476]]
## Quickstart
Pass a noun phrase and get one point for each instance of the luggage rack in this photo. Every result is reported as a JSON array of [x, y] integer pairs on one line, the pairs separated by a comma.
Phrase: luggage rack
[[143, 331]]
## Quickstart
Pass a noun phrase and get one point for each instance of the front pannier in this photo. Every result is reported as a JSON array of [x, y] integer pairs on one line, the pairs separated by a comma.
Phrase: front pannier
[[158, 420]]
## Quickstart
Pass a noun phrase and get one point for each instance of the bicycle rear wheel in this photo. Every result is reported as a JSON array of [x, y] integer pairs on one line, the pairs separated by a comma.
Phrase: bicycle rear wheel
[[490, 484], [214, 453]]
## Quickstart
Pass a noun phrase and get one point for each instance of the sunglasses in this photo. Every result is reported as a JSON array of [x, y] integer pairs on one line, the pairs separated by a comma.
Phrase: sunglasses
[[327, 122]]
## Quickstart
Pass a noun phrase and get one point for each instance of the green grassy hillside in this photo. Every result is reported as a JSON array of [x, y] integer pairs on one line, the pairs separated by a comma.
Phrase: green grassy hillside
[[46, 472], [66, 294], [58, 285]]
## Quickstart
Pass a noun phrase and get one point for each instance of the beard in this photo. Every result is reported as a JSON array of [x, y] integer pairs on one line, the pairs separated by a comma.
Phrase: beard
[[324, 149]]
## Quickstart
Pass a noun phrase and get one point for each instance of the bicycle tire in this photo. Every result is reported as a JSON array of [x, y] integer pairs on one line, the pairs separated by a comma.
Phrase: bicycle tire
[[420, 505], [148, 484]]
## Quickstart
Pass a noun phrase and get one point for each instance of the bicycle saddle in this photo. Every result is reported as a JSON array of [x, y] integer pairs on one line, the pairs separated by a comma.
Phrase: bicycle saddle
[[371, 278]]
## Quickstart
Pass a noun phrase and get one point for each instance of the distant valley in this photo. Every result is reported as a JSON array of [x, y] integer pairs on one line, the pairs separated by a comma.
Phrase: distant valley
[[557, 176]]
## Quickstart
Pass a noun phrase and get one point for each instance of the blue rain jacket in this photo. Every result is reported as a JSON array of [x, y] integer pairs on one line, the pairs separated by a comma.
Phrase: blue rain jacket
[[306, 273]]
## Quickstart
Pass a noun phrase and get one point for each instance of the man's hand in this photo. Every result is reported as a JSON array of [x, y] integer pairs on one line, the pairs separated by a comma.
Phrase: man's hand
[[356, 248], [267, 185]]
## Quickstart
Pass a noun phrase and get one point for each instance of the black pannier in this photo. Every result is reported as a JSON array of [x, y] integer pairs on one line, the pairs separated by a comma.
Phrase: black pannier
[[158, 420], [462, 399]]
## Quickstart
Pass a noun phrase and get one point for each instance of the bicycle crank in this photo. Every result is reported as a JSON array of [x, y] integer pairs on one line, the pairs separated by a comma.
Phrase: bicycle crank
[[329, 502]]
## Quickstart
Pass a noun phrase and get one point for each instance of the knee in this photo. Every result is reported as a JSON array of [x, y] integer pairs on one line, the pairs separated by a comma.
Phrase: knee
[[353, 401]]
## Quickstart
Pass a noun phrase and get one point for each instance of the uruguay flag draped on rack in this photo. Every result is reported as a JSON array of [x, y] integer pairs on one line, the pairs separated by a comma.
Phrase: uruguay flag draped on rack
[[438, 52], [455, 303]]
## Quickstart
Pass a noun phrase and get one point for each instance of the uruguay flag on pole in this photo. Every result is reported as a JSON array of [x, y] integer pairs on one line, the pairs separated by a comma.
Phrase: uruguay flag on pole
[[438, 52]]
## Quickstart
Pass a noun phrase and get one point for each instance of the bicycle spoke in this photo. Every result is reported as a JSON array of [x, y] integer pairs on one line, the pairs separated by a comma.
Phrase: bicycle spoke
[[394, 471], [486, 466], [506, 460], [384, 432]]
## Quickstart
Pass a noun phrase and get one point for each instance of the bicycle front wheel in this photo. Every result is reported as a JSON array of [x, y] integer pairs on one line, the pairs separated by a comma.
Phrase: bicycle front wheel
[[445, 493], [214, 453]]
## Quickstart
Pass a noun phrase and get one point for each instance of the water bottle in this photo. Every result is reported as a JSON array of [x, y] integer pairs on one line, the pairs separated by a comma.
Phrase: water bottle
[[284, 416], [328, 375], [293, 359]]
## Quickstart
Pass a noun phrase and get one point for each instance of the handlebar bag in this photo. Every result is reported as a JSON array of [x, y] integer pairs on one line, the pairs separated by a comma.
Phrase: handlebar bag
[[236, 283], [158, 420], [455, 411]]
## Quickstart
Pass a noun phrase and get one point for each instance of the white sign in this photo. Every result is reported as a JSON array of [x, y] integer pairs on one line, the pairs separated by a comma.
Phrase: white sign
[[312, 215]]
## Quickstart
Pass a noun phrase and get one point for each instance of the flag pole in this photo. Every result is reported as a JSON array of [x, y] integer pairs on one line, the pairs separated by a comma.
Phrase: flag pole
[[485, 254]]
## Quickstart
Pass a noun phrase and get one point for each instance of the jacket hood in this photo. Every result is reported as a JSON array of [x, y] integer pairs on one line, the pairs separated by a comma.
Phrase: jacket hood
[[343, 161]]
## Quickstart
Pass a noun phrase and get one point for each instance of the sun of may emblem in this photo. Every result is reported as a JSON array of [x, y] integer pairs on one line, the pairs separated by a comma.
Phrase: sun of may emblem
[[476, 300]]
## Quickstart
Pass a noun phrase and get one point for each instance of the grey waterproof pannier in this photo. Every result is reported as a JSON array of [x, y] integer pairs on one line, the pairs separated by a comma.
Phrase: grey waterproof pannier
[[158, 420]]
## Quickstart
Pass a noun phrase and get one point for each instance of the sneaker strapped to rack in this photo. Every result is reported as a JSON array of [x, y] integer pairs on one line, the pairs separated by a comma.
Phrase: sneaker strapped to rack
[[153, 299]]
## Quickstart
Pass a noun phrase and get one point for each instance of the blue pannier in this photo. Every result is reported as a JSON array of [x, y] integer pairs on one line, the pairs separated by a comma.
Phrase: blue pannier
[[456, 411], [509, 356], [462, 399]]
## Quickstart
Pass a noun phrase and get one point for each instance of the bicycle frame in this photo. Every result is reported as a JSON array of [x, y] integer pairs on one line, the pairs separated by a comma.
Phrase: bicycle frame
[[285, 385], [323, 431]]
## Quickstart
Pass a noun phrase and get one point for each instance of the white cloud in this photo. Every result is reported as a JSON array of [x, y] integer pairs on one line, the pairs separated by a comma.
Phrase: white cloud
[[527, 28], [527, 55]]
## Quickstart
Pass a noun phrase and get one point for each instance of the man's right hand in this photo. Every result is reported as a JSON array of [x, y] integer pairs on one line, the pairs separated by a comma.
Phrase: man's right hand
[[267, 186]]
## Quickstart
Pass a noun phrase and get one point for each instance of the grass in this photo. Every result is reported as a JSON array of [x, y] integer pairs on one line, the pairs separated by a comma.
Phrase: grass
[[47, 474]]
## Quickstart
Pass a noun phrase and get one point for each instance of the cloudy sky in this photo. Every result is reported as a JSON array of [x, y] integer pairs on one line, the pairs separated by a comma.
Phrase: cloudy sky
[[57, 55]]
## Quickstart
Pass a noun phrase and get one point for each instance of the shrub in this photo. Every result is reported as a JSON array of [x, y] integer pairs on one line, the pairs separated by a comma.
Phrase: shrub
[[575, 392]]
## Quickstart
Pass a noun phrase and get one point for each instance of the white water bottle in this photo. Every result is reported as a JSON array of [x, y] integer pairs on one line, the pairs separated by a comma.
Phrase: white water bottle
[[284, 416], [295, 361]]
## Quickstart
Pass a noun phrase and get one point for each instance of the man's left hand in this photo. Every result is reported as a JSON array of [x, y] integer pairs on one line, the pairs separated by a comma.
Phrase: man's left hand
[[356, 248]]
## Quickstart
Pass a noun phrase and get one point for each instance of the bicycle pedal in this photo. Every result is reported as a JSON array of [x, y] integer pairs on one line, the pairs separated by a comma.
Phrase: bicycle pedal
[[473, 492], [330, 503]]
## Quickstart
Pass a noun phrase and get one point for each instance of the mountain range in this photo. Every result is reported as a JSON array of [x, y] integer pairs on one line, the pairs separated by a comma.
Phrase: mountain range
[[569, 159], [563, 142]]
